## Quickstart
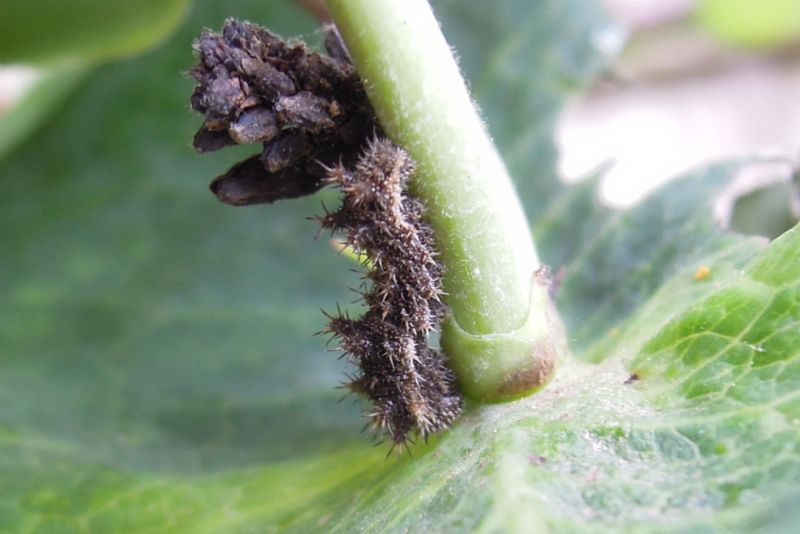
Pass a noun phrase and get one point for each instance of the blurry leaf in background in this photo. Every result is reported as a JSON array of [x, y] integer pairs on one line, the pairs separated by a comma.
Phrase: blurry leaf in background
[[44, 97], [83, 30], [66, 38], [752, 23], [767, 211]]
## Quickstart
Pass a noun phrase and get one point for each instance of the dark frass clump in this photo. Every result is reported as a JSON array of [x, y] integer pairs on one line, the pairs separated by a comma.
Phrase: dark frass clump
[[409, 384], [317, 128], [307, 110]]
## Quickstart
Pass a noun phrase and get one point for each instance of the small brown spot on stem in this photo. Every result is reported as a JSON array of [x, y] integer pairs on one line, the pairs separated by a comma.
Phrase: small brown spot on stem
[[541, 365]]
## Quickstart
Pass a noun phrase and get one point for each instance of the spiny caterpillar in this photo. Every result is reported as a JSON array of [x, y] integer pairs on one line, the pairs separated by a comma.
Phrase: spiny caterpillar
[[318, 128], [409, 383]]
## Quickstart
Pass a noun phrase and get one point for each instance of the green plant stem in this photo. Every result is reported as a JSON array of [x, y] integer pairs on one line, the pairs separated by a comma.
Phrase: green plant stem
[[498, 336]]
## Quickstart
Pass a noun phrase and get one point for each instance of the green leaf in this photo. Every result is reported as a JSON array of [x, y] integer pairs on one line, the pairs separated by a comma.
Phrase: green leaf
[[615, 270], [81, 30], [157, 369], [48, 92], [752, 23], [69, 37]]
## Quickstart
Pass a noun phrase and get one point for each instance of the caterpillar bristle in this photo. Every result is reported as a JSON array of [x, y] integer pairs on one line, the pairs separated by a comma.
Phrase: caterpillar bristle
[[409, 384]]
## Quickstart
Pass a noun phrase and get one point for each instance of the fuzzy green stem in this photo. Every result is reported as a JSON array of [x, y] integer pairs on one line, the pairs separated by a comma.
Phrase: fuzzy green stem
[[499, 333]]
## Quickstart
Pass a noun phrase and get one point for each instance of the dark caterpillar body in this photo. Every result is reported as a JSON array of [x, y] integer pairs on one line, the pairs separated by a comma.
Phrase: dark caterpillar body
[[409, 383], [317, 128]]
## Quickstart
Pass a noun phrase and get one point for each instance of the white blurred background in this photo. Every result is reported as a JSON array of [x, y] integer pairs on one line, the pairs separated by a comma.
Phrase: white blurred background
[[696, 82]]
